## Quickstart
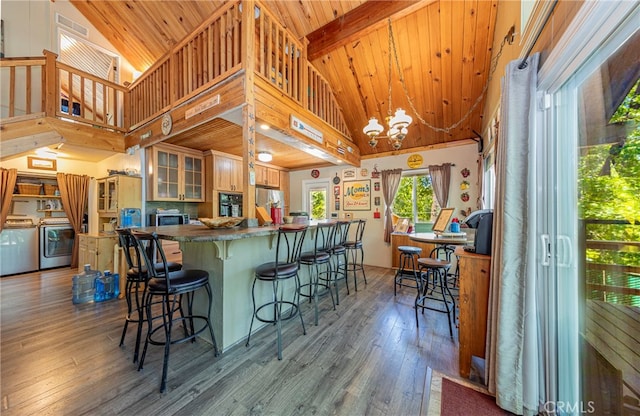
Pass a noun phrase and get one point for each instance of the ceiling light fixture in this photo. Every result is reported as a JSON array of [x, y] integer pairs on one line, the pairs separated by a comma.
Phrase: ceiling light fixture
[[398, 122], [265, 157]]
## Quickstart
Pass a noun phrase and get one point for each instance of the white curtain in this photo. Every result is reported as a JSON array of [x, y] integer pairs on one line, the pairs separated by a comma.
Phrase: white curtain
[[513, 353]]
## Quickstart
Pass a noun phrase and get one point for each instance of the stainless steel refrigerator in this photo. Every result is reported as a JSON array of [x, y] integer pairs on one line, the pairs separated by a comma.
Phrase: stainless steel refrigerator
[[266, 197]]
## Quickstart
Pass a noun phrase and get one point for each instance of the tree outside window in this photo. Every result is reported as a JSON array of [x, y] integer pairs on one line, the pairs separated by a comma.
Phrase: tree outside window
[[318, 198], [415, 199]]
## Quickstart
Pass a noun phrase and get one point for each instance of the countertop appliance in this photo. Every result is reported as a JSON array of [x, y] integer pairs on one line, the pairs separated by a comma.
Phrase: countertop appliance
[[18, 246], [56, 242], [166, 218], [229, 205]]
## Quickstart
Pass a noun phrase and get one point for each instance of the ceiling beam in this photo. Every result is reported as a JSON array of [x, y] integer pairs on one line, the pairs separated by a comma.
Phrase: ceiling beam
[[356, 23]]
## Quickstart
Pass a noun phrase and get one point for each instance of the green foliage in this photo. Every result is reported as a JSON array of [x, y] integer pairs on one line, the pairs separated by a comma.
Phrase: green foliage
[[609, 186], [318, 205], [403, 203]]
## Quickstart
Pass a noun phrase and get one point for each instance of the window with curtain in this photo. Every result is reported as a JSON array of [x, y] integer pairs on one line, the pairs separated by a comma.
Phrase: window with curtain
[[415, 198]]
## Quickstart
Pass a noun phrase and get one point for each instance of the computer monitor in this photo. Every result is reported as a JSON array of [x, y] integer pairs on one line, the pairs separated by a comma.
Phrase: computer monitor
[[442, 221]]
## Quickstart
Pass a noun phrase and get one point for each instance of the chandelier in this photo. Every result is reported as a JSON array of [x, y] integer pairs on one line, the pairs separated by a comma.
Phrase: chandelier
[[398, 122]]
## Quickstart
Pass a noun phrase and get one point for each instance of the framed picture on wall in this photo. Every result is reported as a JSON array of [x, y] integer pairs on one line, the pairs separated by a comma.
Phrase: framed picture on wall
[[42, 164], [357, 195]]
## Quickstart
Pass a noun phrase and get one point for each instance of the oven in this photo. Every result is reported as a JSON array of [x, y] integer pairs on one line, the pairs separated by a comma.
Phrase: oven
[[56, 242]]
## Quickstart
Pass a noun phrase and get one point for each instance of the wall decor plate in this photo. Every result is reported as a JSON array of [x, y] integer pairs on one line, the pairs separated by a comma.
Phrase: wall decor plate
[[315, 173], [167, 124]]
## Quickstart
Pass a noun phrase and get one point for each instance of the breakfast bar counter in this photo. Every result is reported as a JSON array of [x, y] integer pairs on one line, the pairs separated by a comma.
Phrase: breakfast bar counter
[[230, 255]]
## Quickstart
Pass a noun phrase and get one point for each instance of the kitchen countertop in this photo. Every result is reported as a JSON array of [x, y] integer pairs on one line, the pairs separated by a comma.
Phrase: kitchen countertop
[[202, 233]]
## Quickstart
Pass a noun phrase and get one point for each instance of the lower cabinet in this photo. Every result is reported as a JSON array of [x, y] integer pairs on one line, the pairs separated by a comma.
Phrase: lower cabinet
[[98, 251], [474, 280]]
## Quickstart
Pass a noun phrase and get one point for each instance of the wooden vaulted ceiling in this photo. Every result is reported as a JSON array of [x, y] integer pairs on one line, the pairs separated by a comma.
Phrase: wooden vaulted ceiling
[[443, 50]]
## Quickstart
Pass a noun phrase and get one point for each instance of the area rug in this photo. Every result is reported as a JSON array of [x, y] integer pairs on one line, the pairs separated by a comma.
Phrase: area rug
[[446, 396]]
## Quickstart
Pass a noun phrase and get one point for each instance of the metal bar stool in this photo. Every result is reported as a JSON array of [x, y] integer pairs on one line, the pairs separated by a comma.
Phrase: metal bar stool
[[407, 267], [285, 267], [434, 289], [314, 259], [338, 254], [170, 288], [355, 253], [136, 284]]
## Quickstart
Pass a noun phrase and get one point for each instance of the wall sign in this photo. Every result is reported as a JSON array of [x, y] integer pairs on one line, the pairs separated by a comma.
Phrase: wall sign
[[305, 129], [348, 173], [357, 195], [42, 164], [415, 161]]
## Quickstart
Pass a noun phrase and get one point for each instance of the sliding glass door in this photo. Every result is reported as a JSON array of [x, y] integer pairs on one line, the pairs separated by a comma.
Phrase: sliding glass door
[[589, 149]]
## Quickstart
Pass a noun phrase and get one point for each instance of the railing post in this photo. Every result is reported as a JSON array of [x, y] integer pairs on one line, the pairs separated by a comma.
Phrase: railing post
[[248, 46], [51, 97], [304, 80]]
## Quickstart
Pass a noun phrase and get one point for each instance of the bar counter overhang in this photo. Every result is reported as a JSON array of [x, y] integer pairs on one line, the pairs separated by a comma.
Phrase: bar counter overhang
[[230, 255]]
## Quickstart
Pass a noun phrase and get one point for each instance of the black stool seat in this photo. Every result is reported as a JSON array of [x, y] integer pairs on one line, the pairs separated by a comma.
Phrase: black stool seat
[[269, 271], [433, 289], [135, 273], [407, 268], [180, 280]]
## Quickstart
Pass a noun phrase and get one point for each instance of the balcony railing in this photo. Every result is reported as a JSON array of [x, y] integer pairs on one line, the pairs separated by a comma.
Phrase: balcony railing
[[211, 54], [611, 263]]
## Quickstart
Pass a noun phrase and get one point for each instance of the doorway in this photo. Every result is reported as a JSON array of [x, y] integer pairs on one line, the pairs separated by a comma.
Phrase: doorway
[[316, 199]]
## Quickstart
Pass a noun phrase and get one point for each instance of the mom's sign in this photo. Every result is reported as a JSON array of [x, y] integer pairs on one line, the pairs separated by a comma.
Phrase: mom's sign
[[357, 195]]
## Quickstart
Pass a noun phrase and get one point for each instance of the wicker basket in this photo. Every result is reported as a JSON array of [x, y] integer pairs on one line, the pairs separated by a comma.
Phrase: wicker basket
[[50, 189], [29, 188]]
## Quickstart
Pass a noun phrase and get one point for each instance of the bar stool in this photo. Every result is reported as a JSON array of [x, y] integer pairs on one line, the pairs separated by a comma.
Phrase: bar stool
[[338, 254], [136, 284], [433, 287], [407, 263], [355, 253], [170, 288], [285, 267], [316, 258]]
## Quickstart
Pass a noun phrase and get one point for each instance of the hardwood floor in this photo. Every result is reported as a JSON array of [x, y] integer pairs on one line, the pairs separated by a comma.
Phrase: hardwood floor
[[366, 357]]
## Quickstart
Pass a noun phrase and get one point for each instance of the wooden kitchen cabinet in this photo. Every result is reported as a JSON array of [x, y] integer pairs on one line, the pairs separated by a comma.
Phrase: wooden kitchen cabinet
[[475, 276], [175, 174], [118, 191], [266, 176], [227, 173]]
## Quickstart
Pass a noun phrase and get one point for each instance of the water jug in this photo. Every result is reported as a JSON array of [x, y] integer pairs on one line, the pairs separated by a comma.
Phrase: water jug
[[83, 285], [105, 287]]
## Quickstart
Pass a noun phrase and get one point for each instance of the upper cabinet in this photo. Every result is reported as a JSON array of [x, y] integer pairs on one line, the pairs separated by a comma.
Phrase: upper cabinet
[[118, 191], [267, 176], [175, 174], [227, 173]]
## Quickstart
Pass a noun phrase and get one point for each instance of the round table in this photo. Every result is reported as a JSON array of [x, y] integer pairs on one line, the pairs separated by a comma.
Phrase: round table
[[433, 238]]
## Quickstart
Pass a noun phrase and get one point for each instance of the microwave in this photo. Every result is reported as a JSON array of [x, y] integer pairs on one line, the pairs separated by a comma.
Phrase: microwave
[[168, 219]]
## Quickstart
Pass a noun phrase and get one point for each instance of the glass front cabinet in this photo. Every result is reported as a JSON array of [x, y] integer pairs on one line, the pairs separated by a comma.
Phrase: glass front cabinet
[[175, 174]]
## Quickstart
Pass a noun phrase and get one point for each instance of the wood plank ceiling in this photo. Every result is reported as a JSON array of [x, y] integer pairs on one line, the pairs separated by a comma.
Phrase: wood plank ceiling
[[443, 51]]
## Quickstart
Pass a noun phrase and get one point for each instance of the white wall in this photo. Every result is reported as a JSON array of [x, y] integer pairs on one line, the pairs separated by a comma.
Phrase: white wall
[[378, 253], [29, 28]]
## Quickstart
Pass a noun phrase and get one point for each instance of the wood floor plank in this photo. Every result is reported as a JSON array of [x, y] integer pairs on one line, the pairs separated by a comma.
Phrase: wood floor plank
[[365, 357]]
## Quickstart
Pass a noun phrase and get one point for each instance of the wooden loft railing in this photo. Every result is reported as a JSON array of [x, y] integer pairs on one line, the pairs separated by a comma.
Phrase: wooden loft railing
[[282, 60], [210, 55], [44, 85]]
